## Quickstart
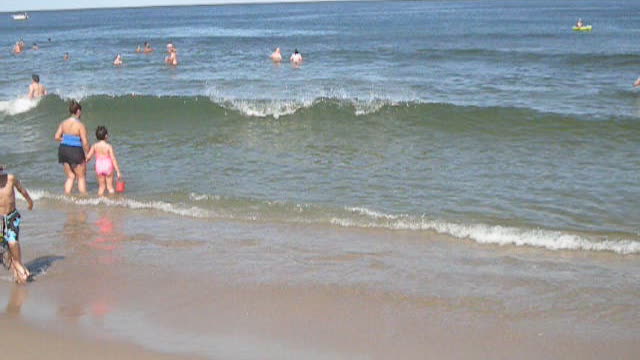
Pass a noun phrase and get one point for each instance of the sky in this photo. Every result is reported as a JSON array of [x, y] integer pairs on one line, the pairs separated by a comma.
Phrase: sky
[[30, 5]]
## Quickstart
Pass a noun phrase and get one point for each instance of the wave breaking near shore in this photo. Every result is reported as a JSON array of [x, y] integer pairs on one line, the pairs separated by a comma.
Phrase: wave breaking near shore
[[358, 217]]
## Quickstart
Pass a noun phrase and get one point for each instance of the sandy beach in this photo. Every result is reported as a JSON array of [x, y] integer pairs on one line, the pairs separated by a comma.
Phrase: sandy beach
[[101, 297]]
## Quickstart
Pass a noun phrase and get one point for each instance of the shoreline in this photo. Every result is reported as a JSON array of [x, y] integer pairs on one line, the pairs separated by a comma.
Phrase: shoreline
[[120, 278]]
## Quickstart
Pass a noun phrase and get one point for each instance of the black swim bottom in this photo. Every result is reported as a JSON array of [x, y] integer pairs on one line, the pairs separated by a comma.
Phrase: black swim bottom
[[72, 155]]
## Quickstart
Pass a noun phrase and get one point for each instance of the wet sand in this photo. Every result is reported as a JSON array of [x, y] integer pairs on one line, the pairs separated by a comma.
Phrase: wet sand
[[26, 342], [115, 291]]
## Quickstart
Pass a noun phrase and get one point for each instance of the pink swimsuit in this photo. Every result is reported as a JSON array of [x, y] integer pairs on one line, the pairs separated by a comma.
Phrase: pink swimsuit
[[104, 166]]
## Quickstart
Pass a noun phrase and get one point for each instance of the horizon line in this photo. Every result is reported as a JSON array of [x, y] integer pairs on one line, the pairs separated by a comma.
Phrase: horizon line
[[214, 3]]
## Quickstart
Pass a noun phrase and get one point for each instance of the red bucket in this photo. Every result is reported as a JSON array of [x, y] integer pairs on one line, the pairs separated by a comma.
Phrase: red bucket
[[121, 186]]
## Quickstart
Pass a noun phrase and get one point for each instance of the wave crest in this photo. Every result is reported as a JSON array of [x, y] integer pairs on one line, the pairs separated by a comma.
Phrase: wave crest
[[365, 218], [489, 234], [19, 105]]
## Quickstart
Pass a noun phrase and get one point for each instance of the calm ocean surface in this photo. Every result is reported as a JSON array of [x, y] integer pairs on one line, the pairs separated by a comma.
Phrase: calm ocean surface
[[482, 120]]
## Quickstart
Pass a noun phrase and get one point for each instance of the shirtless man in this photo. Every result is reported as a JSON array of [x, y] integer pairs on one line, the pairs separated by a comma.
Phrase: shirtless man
[[10, 224], [118, 60], [296, 58], [36, 89], [17, 49], [147, 48], [172, 58], [276, 56]]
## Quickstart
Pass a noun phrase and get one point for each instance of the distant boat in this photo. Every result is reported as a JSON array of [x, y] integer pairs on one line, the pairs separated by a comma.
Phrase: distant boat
[[22, 16], [582, 28]]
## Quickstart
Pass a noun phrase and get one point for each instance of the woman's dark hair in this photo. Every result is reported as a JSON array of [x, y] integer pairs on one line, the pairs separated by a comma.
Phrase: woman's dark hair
[[101, 132], [74, 106]]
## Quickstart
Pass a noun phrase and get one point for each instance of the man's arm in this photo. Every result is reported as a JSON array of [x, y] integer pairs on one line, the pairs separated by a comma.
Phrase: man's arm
[[24, 192]]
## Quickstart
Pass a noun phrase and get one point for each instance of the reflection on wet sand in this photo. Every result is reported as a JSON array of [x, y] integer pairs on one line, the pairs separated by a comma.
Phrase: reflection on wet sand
[[94, 239], [107, 241], [16, 299]]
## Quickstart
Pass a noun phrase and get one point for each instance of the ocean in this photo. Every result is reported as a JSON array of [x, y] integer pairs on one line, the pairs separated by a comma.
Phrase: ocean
[[420, 144]]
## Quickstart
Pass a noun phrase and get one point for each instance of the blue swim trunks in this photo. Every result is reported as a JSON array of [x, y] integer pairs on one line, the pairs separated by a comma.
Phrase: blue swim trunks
[[11, 227]]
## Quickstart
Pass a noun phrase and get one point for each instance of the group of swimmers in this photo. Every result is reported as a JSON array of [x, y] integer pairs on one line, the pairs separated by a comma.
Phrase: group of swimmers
[[20, 46], [172, 54], [170, 59], [295, 59]]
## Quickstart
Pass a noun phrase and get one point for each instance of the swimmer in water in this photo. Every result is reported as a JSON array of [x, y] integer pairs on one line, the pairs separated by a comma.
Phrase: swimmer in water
[[276, 56], [147, 48], [66, 56], [138, 49], [35, 46], [296, 58], [172, 58], [36, 89], [637, 83], [118, 60], [17, 49]]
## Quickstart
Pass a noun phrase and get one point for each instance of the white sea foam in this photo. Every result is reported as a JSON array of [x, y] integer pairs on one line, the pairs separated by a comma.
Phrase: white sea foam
[[78, 93], [489, 234], [18, 106], [163, 206], [275, 108], [278, 108], [366, 218], [202, 197], [292, 99]]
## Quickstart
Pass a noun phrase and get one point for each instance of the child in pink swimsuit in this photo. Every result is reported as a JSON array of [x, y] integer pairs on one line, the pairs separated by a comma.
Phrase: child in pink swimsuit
[[105, 161]]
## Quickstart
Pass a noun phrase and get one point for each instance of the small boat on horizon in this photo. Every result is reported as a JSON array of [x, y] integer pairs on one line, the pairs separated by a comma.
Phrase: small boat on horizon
[[582, 28], [20, 16]]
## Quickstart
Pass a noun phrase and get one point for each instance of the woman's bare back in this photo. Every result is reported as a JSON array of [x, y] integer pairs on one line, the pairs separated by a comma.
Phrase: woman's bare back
[[72, 126]]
